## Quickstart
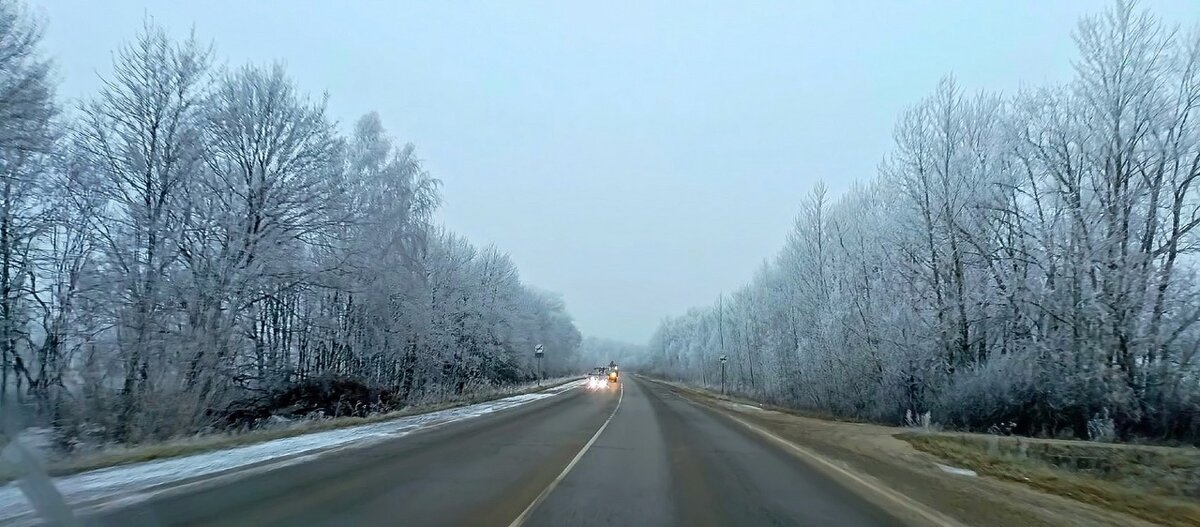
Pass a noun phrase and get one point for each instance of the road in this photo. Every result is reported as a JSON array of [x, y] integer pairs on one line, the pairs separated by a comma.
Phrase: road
[[658, 459]]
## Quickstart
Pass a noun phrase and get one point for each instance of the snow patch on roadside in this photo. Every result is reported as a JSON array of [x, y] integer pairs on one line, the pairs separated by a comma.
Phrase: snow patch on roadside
[[114, 481], [748, 406], [956, 470]]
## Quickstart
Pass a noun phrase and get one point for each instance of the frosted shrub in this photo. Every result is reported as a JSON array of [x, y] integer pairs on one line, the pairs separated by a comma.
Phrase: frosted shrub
[[1102, 428], [1003, 428], [912, 420]]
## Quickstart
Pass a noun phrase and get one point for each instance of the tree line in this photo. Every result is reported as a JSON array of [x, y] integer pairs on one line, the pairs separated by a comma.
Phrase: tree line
[[1022, 263], [193, 238], [595, 352]]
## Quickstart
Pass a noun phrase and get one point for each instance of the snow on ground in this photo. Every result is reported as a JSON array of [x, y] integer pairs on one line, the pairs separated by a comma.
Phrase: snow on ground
[[749, 406], [955, 470], [116, 481]]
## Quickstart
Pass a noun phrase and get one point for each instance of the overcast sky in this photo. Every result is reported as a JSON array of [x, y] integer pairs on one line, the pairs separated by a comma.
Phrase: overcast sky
[[638, 157]]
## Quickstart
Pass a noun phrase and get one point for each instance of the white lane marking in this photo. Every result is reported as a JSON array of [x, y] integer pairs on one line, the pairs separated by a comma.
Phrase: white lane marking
[[931, 516], [550, 488], [121, 498]]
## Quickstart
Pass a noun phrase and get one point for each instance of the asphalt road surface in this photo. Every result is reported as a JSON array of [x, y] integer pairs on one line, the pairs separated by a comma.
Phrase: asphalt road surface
[[658, 459]]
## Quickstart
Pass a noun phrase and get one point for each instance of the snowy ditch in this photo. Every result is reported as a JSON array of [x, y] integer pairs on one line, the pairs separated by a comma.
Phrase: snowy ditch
[[126, 481]]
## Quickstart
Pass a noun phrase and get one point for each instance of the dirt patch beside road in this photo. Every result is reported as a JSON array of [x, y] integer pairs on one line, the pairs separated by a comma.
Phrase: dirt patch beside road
[[876, 453]]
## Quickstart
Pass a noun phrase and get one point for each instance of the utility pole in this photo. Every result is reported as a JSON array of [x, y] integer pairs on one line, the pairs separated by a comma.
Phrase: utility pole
[[538, 352], [722, 375], [721, 334], [721, 320]]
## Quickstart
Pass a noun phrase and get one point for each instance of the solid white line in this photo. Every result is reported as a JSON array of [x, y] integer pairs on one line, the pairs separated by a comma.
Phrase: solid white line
[[896, 498], [550, 488]]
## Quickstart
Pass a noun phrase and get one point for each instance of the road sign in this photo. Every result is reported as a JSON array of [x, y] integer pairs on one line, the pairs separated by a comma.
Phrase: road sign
[[538, 352], [722, 358]]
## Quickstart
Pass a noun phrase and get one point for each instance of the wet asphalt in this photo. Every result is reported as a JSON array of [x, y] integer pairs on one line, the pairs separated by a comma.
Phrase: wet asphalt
[[660, 460]]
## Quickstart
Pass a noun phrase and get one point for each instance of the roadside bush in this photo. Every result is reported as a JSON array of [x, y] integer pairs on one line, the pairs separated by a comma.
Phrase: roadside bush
[[333, 396]]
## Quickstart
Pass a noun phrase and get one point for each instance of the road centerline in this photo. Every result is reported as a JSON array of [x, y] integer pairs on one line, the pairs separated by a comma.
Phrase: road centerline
[[525, 514]]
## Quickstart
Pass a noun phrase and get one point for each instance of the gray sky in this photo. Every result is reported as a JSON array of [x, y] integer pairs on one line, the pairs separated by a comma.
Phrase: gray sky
[[639, 157]]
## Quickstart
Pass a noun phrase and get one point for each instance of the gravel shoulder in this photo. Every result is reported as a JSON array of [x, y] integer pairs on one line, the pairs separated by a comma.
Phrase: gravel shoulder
[[878, 455]]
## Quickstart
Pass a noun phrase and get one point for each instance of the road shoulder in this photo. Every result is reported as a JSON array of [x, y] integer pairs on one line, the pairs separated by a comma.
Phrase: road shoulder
[[872, 454]]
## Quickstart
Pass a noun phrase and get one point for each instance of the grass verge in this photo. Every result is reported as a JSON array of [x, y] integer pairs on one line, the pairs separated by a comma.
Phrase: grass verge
[[1151, 483], [115, 456]]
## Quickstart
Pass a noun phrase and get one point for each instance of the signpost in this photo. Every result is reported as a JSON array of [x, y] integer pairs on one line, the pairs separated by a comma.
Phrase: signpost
[[722, 375], [538, 352]]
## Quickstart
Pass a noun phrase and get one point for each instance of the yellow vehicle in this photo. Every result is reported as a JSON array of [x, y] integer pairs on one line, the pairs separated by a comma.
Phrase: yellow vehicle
[[613, 374]]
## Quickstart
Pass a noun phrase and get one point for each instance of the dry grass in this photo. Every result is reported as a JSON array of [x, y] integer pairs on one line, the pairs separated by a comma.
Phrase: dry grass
[[1159, 484], [117, 455]]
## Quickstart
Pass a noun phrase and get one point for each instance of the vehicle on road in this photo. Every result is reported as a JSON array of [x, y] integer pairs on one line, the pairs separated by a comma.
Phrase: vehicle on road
[[596, 378]]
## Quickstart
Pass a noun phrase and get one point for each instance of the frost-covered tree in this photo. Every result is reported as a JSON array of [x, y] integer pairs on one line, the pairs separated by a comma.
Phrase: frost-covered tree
[[140, 138], [26, 145], [204, 247], [1021, 263]]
